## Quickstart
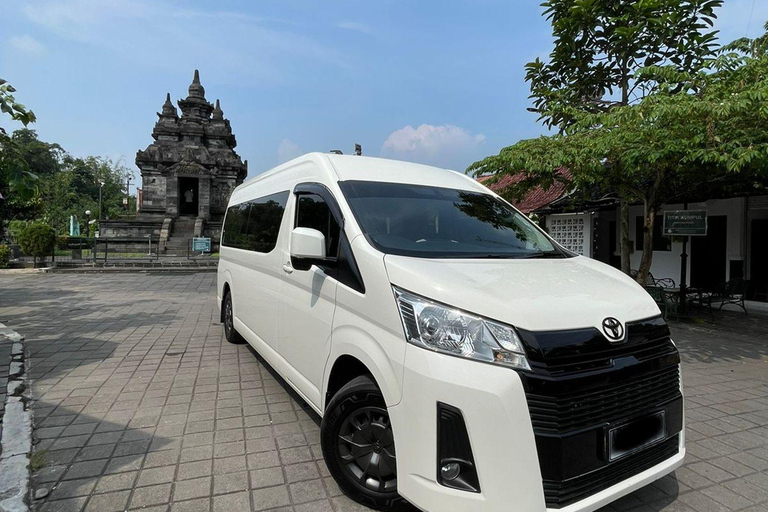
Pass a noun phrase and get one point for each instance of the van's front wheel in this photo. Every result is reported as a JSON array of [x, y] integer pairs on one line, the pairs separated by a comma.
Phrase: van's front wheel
[[229, 320], [359, 446]]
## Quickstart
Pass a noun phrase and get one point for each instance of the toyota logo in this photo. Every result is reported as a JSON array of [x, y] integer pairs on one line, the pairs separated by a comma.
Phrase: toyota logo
[[613, 329]]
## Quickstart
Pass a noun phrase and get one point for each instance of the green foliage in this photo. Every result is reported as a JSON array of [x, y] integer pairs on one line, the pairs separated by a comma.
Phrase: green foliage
[[749, 47], [62, 242], [37, 240], [670, 146], [75, 189], [15, 176], [9, 105], [66, 185], [599, 45], [5, 256], [37, 460], [15, 227]]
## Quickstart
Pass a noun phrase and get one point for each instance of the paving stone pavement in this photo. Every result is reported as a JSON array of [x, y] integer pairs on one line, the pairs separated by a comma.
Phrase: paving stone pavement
[[141, 404]]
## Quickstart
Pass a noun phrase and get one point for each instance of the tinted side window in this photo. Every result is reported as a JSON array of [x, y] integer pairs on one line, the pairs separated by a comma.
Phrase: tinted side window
[[235, 225], [254, 225], [264, 222], [313, 212]]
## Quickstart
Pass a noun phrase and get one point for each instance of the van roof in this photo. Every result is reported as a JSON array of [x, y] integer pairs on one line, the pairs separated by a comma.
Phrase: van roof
[[365, 168]]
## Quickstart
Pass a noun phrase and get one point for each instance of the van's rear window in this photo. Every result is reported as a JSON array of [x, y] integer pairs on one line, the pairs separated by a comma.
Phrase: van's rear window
[[435, 222], [254, 225]]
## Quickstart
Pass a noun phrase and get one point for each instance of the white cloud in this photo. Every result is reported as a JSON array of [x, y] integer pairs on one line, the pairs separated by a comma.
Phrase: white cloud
[[28, 45], [444, 145], [288, 150], [355, 26]]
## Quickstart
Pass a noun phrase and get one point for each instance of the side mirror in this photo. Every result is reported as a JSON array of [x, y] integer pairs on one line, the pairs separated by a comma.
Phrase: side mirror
[[307, 243]]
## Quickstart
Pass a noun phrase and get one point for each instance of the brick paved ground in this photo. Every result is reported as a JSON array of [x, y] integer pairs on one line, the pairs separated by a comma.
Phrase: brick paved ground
[[141, 404]]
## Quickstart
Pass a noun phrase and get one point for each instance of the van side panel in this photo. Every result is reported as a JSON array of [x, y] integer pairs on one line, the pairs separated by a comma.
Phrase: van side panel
[[307, 304], [255, 276], [367, 326]]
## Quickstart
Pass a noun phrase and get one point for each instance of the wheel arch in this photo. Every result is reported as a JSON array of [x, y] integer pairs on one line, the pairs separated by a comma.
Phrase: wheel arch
[[225, 279], [356, 353]]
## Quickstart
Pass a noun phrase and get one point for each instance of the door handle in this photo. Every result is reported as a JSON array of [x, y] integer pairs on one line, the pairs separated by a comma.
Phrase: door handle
[[287, 268]]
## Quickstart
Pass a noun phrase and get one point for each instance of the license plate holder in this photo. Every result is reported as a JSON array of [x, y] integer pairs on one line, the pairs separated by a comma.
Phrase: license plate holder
[[635, 435]]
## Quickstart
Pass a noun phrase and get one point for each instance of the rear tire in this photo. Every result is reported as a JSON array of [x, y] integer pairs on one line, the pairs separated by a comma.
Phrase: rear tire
[[229, 320], [359, 447]]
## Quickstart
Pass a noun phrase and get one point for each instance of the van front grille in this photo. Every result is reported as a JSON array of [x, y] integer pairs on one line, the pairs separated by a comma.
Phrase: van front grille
[[581, 385], [558, 494], [611, 401]]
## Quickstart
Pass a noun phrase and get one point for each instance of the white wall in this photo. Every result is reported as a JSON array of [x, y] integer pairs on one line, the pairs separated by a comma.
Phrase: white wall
[[572, 231], [667, 263]]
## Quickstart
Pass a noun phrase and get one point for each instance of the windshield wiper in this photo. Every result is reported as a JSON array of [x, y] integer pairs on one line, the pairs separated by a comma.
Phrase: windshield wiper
[[545, 254]]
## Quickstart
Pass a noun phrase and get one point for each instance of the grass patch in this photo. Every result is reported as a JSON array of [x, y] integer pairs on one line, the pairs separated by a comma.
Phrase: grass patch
[[37, 460]]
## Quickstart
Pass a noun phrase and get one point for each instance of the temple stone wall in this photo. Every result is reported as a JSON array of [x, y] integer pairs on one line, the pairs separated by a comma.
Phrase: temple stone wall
[[197, 144], [196, 149]]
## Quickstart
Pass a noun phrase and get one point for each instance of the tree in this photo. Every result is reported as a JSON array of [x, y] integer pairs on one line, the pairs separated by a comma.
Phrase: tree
[[75, 188], [17, 183], [599, 47], [37, 240], [41, 159], [10, 106], [667, 147]]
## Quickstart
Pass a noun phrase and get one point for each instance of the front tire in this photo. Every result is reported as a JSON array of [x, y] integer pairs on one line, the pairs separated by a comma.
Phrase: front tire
[[228, 312], [359, 446]]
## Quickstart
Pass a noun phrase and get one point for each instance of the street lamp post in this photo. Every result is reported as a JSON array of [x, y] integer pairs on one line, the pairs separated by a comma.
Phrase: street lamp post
[[101, 186], [128, 194], [87, 228]]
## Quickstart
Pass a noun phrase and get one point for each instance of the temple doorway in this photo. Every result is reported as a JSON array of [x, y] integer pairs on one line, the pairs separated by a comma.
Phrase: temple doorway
[[188, 196]]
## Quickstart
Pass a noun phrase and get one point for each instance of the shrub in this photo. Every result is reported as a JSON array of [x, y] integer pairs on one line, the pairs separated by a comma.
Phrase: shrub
[[62, 242], [5, 256], [37, 240], [15, 227]]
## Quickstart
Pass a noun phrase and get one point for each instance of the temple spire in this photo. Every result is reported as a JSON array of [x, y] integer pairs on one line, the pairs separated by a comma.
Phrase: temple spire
[[196, 90], [217, 112], [168, 108]]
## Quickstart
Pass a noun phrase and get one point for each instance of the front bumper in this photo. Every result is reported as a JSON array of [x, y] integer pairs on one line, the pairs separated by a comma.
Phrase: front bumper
[[494, 405]]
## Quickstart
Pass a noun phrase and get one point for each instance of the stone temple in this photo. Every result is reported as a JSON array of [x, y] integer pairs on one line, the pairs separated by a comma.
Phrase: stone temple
[[187, 173]]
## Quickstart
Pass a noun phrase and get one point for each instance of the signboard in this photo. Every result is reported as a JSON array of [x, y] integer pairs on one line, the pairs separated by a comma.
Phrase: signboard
[[685, 223], [201, 244]]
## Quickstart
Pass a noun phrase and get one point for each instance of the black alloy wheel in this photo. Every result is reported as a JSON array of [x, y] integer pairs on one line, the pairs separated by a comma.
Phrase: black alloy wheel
[[367, 448], [229, 321], [359, 446]]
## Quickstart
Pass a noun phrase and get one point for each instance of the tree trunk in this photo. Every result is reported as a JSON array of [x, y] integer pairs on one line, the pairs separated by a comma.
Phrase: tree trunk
[[647, 258], [626, 266]]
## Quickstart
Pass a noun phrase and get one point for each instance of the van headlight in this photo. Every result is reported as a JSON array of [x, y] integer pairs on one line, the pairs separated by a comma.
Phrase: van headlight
[[443, 329]]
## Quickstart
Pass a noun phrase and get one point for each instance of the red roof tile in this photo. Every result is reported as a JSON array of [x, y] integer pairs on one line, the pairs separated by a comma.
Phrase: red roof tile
[[536, 198]]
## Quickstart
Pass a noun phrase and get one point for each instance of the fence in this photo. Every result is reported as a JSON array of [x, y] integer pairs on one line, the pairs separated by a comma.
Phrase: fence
[[103, 250]]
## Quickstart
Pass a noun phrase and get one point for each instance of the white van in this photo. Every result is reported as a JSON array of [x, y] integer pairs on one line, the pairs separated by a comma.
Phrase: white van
[[459, 357]]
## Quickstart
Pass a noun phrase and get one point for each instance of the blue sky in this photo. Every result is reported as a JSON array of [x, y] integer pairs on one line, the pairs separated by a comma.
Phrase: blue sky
[[438, 82]]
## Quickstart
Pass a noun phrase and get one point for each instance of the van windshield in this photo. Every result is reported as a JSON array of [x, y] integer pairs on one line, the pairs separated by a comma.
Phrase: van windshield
[[434, 222]]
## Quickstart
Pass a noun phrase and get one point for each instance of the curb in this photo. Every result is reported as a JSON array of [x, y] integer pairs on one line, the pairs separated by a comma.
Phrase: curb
[[16, 439]]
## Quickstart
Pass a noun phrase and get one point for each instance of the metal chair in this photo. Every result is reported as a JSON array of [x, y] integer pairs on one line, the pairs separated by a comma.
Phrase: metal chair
[[667, 302]]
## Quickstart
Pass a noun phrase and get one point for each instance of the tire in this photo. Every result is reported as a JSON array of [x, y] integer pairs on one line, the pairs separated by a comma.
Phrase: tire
[[358, 446], [229, 320]]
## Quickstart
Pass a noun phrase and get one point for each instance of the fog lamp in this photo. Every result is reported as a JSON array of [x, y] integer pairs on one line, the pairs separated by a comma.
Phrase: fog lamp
[[450, 471]]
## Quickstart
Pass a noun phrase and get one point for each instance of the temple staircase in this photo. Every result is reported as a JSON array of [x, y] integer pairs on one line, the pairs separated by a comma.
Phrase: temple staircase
[[181, 234]]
